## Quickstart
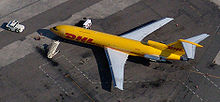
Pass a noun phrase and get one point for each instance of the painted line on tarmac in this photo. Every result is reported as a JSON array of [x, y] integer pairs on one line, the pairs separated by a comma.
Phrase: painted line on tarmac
[[59, 84], [50, 77], [98, 82], [207, 78], [194, 93], [19, 9], [28, 11]]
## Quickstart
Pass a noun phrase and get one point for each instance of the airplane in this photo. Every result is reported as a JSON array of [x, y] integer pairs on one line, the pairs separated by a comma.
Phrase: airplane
[[117, 48]]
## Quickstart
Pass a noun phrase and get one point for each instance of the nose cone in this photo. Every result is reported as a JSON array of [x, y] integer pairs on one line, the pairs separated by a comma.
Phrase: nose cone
[[60, 29], [54, 29]]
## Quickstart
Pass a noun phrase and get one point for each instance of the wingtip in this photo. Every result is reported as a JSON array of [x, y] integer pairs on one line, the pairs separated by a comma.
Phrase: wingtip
[[207, 35], [169, 18], [121, 88], [204, 35]]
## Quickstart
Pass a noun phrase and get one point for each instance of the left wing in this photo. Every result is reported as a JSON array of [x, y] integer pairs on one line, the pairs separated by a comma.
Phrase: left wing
[[116, 60], [142, 32]]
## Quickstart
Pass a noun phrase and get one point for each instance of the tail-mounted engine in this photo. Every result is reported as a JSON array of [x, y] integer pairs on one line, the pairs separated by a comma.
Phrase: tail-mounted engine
[[155, 58], [155, 44]]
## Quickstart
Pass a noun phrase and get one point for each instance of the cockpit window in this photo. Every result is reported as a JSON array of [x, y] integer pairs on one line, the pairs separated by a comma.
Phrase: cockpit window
[[54, 28]]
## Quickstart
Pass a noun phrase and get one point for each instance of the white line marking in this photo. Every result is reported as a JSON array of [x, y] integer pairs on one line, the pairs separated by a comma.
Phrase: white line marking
[[207, 78], [98, 82], [50, 77], [201, 99], [30, 10]]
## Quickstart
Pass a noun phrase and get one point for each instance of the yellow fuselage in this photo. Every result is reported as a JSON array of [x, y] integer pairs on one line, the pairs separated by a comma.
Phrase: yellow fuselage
[[129, 46]]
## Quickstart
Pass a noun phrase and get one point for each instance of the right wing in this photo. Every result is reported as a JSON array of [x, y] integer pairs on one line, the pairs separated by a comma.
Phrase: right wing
[[142, 32], [116, 60]]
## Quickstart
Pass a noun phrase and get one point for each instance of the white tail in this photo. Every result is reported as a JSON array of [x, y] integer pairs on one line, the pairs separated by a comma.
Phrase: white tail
[[190, 44]]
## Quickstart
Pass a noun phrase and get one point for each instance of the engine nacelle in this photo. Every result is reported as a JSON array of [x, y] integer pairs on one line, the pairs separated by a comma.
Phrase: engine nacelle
[[155, 58], [155, 44], [182, 58]]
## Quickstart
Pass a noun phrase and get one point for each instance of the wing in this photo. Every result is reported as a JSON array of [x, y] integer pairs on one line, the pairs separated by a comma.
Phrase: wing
[[117, 62], [142, 32]]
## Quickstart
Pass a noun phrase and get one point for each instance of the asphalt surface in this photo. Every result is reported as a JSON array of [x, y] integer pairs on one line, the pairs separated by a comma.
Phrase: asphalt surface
[[80, 73], [58, 13]]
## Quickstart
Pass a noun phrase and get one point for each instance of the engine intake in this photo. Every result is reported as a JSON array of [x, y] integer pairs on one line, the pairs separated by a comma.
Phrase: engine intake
[[155, 44], [182, 58]]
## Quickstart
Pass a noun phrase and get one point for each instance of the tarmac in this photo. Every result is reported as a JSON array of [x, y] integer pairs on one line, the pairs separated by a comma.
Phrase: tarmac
[[80, 72]]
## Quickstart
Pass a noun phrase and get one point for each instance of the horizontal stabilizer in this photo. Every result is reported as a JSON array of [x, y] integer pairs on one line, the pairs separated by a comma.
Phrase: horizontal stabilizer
[[154, 58], [182, 40], [191, 43]]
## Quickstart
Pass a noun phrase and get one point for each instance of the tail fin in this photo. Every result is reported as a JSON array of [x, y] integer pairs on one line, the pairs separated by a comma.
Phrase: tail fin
[[190, 44]]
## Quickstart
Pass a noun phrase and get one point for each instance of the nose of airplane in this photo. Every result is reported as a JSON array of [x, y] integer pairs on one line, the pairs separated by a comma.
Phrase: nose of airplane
[[54, 29]]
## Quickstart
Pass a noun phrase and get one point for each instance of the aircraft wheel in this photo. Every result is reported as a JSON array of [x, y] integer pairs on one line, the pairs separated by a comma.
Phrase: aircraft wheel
[[17, 31], [9, 29]]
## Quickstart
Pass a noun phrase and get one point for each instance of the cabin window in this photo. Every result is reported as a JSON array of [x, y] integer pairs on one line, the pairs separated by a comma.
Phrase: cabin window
[[54, 28]]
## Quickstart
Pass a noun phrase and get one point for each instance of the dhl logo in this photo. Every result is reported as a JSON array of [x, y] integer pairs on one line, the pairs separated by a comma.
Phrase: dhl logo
[[173, 48], [78, 38]]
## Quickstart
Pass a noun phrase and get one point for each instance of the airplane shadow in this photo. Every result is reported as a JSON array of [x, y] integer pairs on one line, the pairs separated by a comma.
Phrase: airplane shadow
[[80, 23], [139, 60]]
